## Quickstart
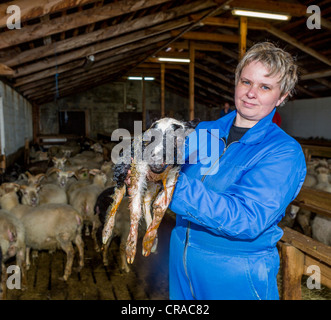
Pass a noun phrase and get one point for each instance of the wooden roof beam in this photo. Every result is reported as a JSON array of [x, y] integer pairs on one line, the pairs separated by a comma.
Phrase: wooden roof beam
[[113, 31], [100, 59], [5, 70], [315, 75], [37, 8], [205, 36], [72, 21], [271, 29]]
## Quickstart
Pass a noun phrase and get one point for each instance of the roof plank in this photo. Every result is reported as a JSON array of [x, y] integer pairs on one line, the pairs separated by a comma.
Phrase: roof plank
[[75, 20], [37, 8]]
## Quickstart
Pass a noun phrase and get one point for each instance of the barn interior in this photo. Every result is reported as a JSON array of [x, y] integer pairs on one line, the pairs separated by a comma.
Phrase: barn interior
[[78, 70]]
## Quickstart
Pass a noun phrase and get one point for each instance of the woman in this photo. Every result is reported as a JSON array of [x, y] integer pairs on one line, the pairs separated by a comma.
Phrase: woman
[[224, 242]]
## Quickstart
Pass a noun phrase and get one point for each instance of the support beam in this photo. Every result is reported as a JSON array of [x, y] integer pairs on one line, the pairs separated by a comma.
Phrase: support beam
[[113, 31], [5, 70], [284, 36], [36, 8], [162, 90], [214, 21], [243, 37], [205, 36], [191, 80], [316, 75], [72, 21], [143, 102], [292, 267]]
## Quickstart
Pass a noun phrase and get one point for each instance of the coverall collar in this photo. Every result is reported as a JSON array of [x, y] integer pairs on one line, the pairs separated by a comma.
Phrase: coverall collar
[[253, 135]]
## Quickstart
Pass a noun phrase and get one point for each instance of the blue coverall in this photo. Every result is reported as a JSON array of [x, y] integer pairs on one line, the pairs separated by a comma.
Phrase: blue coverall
[[228, 202]]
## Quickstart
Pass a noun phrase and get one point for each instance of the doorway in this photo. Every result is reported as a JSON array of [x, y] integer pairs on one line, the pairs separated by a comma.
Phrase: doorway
[[72, 122]]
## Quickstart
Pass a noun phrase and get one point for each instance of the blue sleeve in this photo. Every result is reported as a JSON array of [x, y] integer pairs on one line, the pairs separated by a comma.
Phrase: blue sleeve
[[251, 205]]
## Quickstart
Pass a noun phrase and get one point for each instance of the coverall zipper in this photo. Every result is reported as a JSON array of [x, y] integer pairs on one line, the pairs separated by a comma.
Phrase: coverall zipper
[[189, 223]]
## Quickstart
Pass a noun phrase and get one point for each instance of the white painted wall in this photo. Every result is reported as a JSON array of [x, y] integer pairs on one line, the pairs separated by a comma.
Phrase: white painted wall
[[17, 119], [307, 118]]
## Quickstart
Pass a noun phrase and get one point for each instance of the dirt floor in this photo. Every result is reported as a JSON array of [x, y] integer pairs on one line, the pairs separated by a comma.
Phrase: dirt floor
[[148, 279]]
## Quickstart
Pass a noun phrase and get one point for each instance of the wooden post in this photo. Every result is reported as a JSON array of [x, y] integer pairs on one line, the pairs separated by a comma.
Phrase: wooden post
[[2, 164], [292, 270], [162, 90], [243, 36], [26, 152], [143, 102], [191, 80], [35, 122]]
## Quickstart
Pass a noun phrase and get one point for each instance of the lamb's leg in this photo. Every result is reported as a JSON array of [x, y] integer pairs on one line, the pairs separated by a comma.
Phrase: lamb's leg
[[136, 191], [20, 261], [153, 189], [95, 225], [105, 249], [160, 206], [66, 246], [27, 258], [110, 219], [3, 280], [80, 245], [124, 264]]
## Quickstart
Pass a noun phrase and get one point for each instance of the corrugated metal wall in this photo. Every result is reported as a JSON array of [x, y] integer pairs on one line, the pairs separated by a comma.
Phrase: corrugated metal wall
[[17, 116]]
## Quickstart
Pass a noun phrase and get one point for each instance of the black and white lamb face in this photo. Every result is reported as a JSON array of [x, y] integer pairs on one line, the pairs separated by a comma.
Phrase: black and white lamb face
[[164, 142]]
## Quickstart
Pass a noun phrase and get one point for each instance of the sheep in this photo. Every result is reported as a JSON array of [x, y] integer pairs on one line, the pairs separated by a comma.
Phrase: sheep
[[321, 229], [89, 159], [154, 169], [47, 227], [12, 243], [323, 183], [52, 226], [56, 192], [83, 179], [84, 199]]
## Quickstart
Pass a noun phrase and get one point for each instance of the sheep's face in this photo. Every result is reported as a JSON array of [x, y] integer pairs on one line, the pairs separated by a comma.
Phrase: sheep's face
[[63, 177], [164, 143], [30, 195]]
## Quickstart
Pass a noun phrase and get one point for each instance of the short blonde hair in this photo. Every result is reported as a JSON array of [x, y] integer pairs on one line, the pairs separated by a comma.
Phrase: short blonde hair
[[276, 60]]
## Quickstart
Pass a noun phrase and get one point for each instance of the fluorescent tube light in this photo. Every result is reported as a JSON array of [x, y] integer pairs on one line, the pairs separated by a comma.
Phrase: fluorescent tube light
[[257, 14], [140, 78], [174, 60]]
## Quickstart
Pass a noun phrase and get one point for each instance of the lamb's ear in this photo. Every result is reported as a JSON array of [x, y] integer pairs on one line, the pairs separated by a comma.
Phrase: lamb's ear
[[192, 123]]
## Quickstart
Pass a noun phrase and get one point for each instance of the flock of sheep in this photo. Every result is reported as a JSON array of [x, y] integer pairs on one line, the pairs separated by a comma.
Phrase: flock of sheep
[[48, 208], [313, 225]]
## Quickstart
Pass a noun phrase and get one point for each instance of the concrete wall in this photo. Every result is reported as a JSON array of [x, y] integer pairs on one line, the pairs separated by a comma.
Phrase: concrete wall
[[17, 116], [103, 104], [307, 118]]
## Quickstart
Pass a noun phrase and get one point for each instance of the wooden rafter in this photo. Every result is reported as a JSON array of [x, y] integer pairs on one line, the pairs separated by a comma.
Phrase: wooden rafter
[[5, 70], [37, 8], [72, 21], [113, 31]]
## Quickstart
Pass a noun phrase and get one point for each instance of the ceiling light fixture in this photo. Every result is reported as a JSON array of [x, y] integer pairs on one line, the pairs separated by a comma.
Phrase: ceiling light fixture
[[257, 14], [174, 60], [140, 78]]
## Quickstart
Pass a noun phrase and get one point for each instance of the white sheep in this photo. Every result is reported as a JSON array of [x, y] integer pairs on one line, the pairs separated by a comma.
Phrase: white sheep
[[84, 199], [321, 229], [47, 227], [12, 243]]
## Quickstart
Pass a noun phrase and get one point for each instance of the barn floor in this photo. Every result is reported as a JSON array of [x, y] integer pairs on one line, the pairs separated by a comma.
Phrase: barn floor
[[148, 279]]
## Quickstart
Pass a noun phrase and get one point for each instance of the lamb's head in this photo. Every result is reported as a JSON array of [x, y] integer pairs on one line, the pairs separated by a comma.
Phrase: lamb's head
[[62, 176], [164, 142], [30, 195]]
